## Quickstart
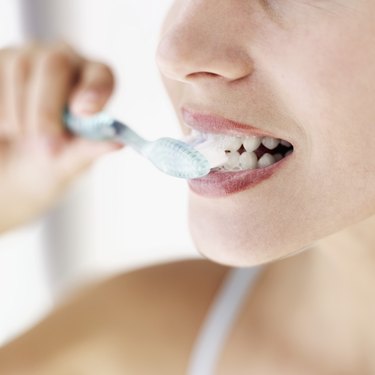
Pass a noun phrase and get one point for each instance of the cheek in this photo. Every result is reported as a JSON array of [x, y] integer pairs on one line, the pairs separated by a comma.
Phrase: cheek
[[327, 83], [326, 75]]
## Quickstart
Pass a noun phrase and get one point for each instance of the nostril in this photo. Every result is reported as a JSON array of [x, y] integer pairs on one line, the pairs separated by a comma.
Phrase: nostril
[[181, 56]]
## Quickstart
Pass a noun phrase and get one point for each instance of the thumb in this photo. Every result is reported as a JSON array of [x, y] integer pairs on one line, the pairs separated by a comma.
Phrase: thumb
[[80, 154], [93, 90]]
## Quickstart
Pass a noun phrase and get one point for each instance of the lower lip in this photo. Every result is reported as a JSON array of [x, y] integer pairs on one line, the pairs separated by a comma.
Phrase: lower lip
[[221, 184]]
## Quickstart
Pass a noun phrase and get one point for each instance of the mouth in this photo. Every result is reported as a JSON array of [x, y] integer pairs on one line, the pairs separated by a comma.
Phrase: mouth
[[252, 155]]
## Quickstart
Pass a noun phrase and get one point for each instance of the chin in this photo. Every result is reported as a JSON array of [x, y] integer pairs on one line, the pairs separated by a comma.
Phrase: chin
[[224, 232]]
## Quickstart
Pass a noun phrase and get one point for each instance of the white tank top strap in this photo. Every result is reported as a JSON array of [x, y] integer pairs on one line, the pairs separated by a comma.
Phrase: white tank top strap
[[220, 319]]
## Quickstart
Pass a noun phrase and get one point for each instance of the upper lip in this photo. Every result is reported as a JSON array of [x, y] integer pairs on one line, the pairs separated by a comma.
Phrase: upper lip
[[206, 122]]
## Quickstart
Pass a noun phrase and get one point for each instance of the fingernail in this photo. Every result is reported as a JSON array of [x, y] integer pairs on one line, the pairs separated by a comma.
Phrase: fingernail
[[86, 102]]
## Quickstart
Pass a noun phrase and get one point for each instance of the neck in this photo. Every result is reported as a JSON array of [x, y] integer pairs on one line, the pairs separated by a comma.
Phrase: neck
[[329, 300], [350, 253]]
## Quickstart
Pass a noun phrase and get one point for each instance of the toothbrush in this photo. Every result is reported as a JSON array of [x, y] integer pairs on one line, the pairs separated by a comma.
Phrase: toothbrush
[[171, 156]]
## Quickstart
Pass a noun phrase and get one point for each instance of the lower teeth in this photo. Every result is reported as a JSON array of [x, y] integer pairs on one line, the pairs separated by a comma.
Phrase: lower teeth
[[249, 160]]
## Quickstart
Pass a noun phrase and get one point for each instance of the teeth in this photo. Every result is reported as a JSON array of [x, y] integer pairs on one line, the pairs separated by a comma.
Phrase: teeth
[[248, 160], [251, 143], [266, 160], [230, 143], [233, 160], [224, 152], [270, 143]]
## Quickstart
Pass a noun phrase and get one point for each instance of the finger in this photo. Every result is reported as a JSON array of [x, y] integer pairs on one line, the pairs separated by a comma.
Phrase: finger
[[15, 82], [93, 90], [53, 77], [80, 154], [6, 55], [2, 104]]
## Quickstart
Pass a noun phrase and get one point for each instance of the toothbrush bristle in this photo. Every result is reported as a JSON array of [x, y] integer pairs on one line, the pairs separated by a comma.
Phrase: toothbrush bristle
[[178, 159], [215, 156]]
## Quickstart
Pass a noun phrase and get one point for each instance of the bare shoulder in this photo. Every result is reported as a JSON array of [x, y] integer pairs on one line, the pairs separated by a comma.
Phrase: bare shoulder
[[171, 283], [131, 321]]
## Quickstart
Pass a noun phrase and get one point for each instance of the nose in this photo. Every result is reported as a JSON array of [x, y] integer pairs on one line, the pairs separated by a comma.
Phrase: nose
[[203, 42]]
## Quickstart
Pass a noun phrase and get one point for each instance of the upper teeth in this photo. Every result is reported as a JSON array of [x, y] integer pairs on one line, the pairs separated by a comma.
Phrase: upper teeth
[[266, 160], [251, 143], [228, 143], [270, 143]]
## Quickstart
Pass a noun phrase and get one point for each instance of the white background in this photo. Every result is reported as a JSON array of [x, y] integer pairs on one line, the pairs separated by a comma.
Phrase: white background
[[123, 214]]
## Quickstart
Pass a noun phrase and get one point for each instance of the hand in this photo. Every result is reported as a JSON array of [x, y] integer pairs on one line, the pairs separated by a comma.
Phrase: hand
[[38, 157]]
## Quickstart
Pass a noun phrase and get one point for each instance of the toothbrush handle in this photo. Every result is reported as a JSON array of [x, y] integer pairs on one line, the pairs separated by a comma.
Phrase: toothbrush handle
[[128, 136], [103, 127]]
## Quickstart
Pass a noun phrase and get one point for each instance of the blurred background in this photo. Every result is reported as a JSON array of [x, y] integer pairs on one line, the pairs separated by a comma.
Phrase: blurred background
[[123, 214]]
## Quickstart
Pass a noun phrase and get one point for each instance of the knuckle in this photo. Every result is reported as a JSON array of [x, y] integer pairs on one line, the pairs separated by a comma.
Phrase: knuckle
[[18, 57], [104, 73], [64, 47], [55, 60], [13, 63], [20, 63], [104, 69]]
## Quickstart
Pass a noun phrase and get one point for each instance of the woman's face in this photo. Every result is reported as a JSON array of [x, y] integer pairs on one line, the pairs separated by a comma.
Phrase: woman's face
[[298, 70]]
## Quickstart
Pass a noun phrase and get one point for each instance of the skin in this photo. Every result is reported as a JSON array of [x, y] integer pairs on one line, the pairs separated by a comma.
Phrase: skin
[[303, 70], [38, 159]]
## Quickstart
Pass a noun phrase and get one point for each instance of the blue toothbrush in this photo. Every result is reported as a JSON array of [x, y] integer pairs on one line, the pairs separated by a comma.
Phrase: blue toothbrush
[[171, 156]]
